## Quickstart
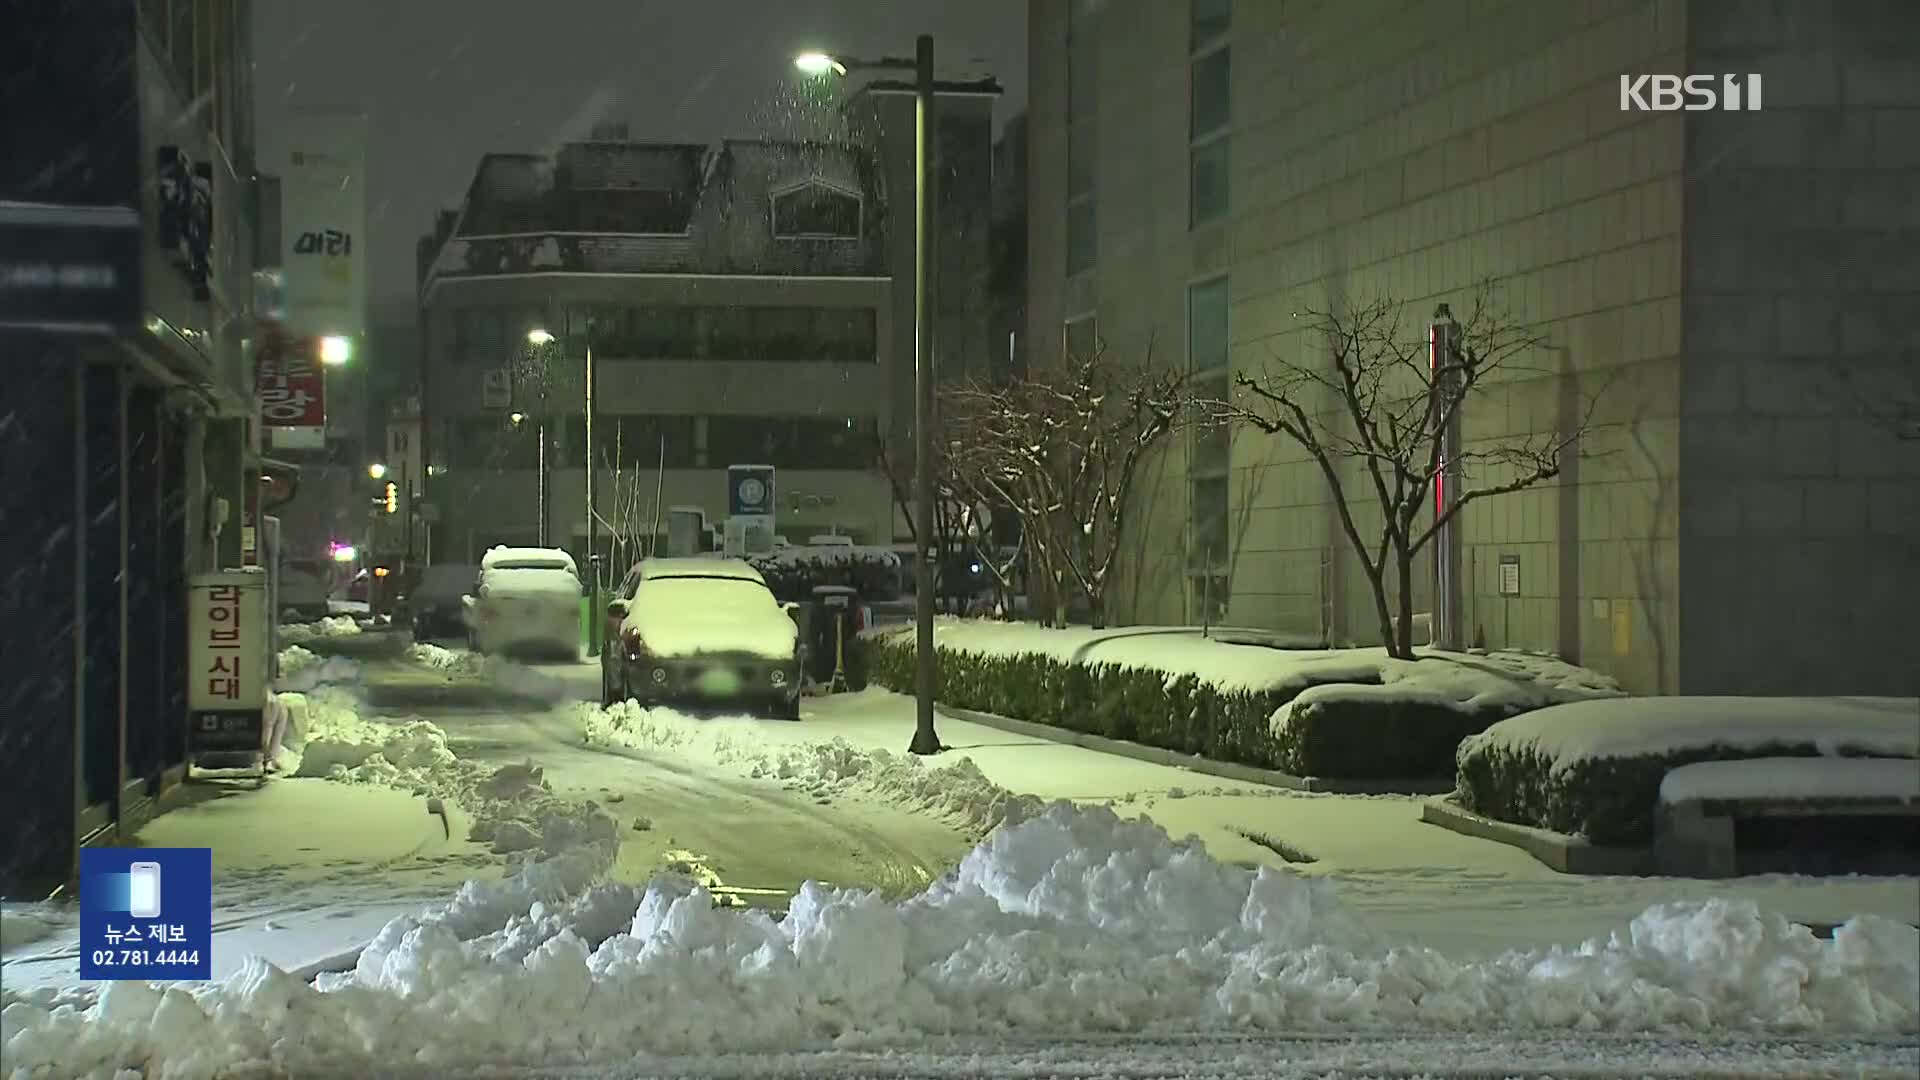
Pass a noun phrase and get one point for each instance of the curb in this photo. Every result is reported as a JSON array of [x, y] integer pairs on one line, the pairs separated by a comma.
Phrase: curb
[[1226, 770], [1558, 851]]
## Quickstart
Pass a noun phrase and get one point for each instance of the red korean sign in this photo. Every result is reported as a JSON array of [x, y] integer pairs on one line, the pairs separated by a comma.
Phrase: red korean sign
[[291, 384]]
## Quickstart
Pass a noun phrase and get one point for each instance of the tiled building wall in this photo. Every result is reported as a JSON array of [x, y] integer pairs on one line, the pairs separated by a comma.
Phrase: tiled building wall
[[1800, 524]]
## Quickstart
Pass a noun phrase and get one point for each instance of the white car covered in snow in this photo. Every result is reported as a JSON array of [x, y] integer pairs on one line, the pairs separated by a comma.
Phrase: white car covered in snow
[[701, 631], [527, 602]]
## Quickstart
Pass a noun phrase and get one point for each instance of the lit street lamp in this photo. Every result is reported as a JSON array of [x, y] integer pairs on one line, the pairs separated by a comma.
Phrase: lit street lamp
[[925, 739], [538, 337], [377, 471], [335, 350]]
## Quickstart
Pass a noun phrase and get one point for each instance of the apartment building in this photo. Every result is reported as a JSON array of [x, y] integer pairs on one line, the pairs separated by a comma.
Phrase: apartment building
[[1738, 281]]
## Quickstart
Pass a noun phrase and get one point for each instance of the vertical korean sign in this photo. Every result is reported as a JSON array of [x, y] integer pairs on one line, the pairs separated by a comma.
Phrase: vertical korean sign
[[227, 662], [323, 212], [292, 390]]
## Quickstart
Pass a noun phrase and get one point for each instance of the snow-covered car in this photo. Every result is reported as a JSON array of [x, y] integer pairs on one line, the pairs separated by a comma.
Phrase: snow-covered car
[[435, 606], [527, 602], [702, 631]]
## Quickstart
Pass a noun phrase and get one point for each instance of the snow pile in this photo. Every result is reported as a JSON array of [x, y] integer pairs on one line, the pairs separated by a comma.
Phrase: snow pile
[[1814, 778], [1466, 681], [333, 626], [1573, 733], [958, 794], [449, 662], [1072, 922], [303, 670], [23, 924], [337, 743]]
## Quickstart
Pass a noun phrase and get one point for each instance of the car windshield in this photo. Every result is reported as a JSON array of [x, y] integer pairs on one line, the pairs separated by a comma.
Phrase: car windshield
[[531, 564], [707, 596]]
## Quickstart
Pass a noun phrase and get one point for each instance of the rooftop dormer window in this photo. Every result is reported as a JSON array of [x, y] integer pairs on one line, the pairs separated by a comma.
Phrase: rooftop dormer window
[[816, 210]]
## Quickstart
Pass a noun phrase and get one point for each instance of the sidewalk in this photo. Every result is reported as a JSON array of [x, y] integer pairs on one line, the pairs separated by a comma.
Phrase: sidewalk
[[304, 869], [1457, 893]]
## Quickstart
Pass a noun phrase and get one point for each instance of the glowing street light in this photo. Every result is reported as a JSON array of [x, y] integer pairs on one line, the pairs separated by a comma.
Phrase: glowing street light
[[538, 336], [517, 417], [376, 470], [335, 350], [819, 63]]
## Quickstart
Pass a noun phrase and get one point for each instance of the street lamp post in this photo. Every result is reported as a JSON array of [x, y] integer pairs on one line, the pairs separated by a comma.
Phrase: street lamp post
[[540, 337], [925, 739]]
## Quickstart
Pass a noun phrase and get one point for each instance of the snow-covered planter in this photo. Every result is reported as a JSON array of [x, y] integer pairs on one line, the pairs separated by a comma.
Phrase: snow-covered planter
[[1353, 714], [1594, 768]]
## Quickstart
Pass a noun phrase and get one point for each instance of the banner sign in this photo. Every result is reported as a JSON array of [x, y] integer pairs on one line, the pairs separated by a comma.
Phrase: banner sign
[[290, 382], [146, 913], [323, 212]]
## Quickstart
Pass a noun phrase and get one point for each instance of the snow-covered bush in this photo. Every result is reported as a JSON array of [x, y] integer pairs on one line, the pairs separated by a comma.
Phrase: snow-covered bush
[[1594, 768], [1351, 714], [792, 573]]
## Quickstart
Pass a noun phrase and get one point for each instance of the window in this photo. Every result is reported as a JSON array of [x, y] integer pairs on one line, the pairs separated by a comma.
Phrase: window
[[793, 442], [1211, 19], [848, 336], [1209, 449], [491, 443], [816, 211], [1207, 325], [633, 210], [783, 332], [727, 333], [1210, 113], [633, 441], [662, 333], [1082, 244], [490, 336], [1080, 336], [1082, 222]]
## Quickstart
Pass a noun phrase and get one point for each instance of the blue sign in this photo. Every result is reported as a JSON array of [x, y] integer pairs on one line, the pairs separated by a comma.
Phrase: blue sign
[[750, 490], [146, 913]]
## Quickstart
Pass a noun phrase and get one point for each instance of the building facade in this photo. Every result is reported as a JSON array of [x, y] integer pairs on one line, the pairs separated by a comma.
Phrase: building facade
[[131, 454], [745, 303], [1733, 289]]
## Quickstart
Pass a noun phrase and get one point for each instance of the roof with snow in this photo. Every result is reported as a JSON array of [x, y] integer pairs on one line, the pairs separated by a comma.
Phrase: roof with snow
[[743, 206]]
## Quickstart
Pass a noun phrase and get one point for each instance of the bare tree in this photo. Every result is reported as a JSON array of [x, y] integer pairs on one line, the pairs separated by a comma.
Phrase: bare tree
[[627, 515], [1370, 397], [1062, 449]]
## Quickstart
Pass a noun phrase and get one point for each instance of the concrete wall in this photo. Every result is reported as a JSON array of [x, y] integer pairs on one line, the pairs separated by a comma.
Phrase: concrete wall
[[1800, 525]]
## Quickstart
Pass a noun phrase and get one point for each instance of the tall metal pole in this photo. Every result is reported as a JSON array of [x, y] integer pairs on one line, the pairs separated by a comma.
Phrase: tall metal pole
[[593, 525], [925, 739], [540, 480]]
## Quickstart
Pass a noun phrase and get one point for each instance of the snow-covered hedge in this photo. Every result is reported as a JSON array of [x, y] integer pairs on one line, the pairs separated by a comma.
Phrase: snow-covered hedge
[[1355, 714], [1594, 768], [793, 572]]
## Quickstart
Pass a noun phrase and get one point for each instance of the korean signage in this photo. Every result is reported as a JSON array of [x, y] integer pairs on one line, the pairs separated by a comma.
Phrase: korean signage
[[146, 913], [227, 666], [71, 249], [323, 211], [290, 382]]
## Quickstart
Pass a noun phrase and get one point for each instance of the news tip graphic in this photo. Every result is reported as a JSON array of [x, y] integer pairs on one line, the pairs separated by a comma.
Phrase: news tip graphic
[[146, 913]]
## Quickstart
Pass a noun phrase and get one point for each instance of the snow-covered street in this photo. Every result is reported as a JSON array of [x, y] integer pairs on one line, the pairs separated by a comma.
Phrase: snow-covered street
[[1310, 935]]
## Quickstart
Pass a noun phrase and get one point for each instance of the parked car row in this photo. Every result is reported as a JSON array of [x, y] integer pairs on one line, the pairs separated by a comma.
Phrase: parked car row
[[698, 630]]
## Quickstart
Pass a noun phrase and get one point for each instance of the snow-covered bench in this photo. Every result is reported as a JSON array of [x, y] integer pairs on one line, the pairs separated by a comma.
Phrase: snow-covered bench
[[1703, 805]]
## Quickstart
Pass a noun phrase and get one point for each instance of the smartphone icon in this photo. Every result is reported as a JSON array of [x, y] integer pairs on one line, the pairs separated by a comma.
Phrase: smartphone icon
[[143, 891]]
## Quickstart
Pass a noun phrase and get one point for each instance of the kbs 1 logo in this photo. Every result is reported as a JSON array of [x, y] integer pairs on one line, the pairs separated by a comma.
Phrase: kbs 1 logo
[[1691, 93]]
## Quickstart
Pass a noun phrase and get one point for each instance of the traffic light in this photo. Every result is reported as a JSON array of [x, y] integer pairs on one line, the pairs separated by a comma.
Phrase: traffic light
[[392, 501]]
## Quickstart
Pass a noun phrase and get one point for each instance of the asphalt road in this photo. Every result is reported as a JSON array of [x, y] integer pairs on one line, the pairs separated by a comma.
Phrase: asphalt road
[[749, 839]]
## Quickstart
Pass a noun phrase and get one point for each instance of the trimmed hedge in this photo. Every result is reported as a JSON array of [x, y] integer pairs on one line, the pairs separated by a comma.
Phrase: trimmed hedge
[[1610, 801], [1347, 739]]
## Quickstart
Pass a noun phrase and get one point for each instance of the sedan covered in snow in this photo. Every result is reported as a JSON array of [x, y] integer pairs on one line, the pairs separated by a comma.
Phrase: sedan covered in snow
[[702, 631], [527, 603]]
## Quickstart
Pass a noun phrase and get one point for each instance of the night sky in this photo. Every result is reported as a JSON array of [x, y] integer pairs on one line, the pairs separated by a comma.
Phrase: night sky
[[445, 81]]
